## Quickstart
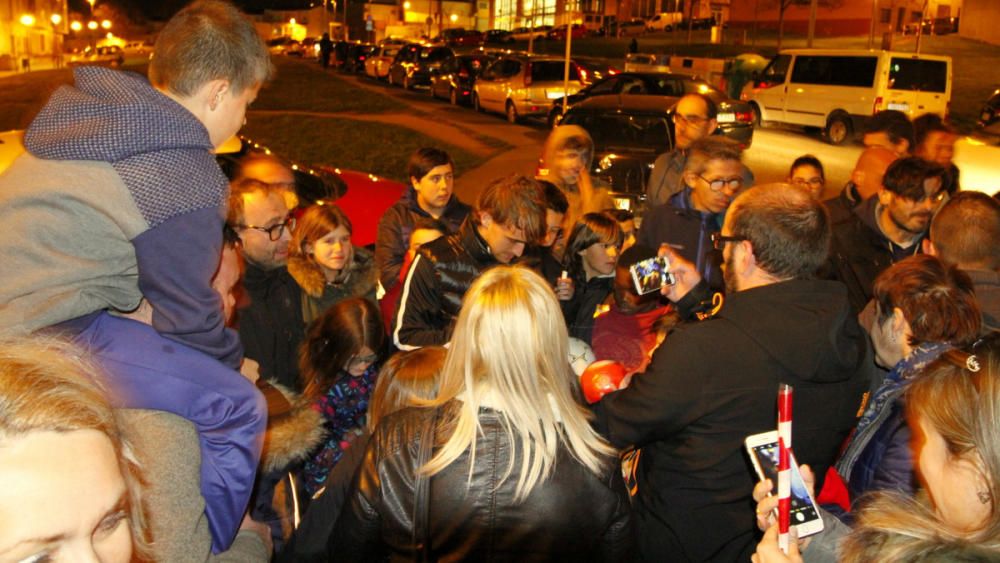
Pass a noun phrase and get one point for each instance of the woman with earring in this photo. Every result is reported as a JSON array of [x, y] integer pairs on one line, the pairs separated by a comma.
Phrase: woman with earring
[[923, 309]]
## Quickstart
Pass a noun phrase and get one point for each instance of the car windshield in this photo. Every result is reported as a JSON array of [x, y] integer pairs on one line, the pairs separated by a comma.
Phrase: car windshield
[[435, 55], [552, 71], [618, 131]]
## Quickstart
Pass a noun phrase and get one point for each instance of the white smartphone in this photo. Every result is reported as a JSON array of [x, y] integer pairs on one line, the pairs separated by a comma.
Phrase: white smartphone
[[763, 450], [650, 274]]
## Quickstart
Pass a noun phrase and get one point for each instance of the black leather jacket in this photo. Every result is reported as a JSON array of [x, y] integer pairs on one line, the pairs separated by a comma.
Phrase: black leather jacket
[[573, 516], [438, 279]]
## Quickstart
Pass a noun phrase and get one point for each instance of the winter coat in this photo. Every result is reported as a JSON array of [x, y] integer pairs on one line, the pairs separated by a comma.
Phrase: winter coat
[[398, 223], [435, 285], [318, 295], [574, 515], [271, 325], [860, 252], [689, 232], [588, 299], [713, 383]]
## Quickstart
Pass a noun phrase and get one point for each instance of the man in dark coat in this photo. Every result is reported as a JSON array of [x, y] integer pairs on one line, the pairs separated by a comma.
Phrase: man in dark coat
[[712, 384]]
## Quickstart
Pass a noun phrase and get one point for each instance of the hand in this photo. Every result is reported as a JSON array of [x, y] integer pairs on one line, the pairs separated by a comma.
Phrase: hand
[[769, 552], [250, 369], [767, 503], [564, 289], [686, 276], [260, 529]]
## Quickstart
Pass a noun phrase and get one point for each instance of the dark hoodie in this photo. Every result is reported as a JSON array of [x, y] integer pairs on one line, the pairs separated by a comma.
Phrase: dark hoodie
[[119, 198], [712, 384]]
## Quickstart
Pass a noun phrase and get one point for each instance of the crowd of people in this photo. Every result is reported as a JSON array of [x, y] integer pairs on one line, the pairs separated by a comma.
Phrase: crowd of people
[[202, 368]]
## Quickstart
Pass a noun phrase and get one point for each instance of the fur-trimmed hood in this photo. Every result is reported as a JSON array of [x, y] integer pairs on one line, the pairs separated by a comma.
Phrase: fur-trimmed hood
[[311, 279], [294, 429]]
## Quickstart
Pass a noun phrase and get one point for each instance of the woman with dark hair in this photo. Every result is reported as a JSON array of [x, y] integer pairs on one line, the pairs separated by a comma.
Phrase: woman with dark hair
[[923, 308], [591, 257], [807, 173], [325, 264], [339, 363]]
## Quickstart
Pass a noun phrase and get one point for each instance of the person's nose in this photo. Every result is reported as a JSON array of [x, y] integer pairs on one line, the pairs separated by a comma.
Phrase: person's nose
[[518, 249]]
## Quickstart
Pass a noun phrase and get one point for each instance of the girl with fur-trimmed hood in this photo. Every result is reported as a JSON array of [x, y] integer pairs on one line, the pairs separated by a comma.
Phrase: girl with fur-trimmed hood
[[325, 264]]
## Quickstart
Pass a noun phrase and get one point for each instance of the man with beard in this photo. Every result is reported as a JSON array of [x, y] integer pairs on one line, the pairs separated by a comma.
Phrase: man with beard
[[713, 383], [889, 227]]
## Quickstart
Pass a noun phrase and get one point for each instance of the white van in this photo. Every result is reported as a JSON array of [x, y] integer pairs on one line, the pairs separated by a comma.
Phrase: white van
[[665, 21], [838, 90]]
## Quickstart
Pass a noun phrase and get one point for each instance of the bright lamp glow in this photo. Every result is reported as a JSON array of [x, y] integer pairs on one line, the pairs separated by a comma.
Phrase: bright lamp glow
[[106, 24], [56, 19], [76, 26], [28, 20], [453, 18]]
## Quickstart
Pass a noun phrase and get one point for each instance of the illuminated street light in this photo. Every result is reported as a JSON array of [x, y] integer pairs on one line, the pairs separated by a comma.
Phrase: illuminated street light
[[76, 26], [292, 21], [92, 25], [453, 18], [56, 19], [91, 2], [28, 20], [106, 24], [406, 5]]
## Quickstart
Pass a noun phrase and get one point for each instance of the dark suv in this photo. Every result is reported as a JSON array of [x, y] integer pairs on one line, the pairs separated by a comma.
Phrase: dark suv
[[458, 37], [415, 63], [629, 132]]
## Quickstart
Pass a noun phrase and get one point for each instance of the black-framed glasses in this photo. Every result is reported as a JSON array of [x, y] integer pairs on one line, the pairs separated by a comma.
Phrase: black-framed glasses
[[719, 240], [274, 232], [696, 120], [811, 182], [719, 183]]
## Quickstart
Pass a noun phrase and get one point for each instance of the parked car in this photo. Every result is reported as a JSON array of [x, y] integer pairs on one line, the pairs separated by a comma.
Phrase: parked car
[[838, 90], [459, 37], [456, 77], [629, 132], [697, 23], [523, 85], [498, 37], [647, 62], [528, 33], [558, 33], [357, 55], [735, 118], [989, 116], [593, 69], [665, 21], [631, 28], [936, 26], [106, 55], [284, 46], [377, 64], [414, 63]]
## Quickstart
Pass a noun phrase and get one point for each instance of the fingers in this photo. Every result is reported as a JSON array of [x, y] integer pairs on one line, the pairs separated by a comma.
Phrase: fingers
[[762, 489]]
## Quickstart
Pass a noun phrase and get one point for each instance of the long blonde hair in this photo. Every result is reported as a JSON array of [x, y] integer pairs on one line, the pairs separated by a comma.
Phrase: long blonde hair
[[508, 353], [49, 385], [964, 407]]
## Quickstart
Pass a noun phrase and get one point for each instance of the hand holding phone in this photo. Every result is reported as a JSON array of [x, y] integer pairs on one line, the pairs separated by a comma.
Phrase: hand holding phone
[[763, 450], [651, 274]]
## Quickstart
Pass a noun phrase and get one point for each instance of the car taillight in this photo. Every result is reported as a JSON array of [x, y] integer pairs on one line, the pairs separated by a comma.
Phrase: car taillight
[[877, 105], [583, 74], [361, 58], [612, 71], [527, 74], [744, 116], [463, 73]]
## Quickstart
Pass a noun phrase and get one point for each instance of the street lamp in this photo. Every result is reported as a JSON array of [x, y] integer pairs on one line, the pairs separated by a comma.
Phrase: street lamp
[[106, 24], [453, 18], [76, 26], [27, 20], [91, 2], [91, 25], [56, 19]]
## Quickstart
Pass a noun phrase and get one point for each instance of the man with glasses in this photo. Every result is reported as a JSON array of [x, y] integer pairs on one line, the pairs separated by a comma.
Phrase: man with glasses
[[889, 227], [713, 175], [694, 119], [713, 383], [271, 324]]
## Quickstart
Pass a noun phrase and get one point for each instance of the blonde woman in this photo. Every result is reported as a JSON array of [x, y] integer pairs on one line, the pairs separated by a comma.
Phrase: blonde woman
[[504, 465], [70, 481]]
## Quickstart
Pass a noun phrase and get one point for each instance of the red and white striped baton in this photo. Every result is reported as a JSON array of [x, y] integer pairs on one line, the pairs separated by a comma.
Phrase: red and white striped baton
[[784, 465]]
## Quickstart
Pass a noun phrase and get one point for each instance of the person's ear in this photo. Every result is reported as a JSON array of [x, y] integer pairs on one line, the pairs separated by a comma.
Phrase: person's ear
[[900, 326], [217, 90], [884, 197], [929, 248], [690, 179], [485, 219]]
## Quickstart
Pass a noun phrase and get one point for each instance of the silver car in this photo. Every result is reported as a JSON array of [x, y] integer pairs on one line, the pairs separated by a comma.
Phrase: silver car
[[524, 85]]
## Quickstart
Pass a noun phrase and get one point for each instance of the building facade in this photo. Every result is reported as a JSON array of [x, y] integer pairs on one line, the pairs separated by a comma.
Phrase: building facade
[[843, 17], [981, 20], [31, 29]]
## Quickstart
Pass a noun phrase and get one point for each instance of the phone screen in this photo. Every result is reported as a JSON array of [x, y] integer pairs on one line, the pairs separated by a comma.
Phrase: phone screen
[[802, 509], [651, 274]]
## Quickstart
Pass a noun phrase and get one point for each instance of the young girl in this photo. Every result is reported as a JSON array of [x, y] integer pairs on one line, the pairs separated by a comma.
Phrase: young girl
[[591, 256], [338, 362], [324, 262]]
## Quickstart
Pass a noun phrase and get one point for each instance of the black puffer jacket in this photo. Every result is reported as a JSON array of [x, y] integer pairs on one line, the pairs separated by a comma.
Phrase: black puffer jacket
[[438, 279], [575, 515]]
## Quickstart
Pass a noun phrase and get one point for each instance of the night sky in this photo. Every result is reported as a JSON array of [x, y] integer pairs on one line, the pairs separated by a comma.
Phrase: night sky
[[163, 9]]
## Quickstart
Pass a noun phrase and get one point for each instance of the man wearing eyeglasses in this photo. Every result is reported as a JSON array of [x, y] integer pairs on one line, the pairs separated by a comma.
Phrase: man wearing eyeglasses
[[270, 325], [713, 175], [889, 227], [694, 119], [713, 383]]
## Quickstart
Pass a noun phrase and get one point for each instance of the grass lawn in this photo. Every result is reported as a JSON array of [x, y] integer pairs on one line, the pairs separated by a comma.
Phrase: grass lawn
[[358, 145], [22, 96], [301, 85]]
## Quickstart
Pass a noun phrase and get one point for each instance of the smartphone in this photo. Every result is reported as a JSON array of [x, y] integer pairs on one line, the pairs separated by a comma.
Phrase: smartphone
[[650, 274], [763, 450]]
